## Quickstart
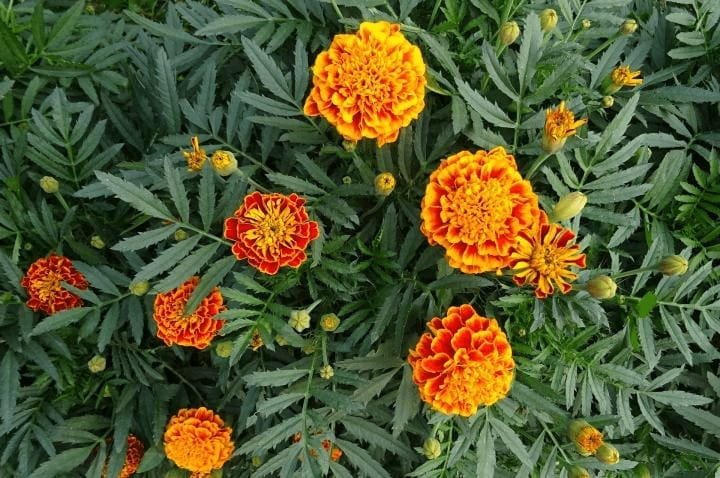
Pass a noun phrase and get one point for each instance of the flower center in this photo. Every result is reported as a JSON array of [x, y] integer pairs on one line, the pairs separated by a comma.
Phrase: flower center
[[48, 286], [478, 211], [545, 259], [272, 227]]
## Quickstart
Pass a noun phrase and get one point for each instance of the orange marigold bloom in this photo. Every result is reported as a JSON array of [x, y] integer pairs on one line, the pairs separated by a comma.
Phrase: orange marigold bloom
[[271, 231], [197, 157], [619, 77], [196, 439], [368, 84], [560, 124], [474, 206], [43, 284], [587, 438], [543, 256], [196, 330], [463, 362], [135, 452]]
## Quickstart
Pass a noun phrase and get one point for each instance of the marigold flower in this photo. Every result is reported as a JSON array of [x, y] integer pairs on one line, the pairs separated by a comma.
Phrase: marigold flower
[[196, 439], [197, 157], [619, 77], [49, 184], [196, 330], [673, 265], [509, 32], [463, 362], [271, 231], [543, 256], [329, 322], [133, 456], [548, 19], [224, 162], [475, 205], [587, 438], [43, 284], [369, 84], [256, 342], [560, 124], [384, 184]]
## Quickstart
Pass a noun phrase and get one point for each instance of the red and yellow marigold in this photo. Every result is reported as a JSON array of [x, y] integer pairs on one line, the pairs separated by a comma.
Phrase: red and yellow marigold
[[463, 362], [194, 330], [133, 456], [43, 283], [475, 205], [369, 84], [196, 439], [560, 124], [271, 231]]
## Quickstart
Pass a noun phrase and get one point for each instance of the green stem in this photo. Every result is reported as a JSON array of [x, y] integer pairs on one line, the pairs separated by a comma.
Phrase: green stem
[[633, 272], [61, 200], [337, 10], [555, 441], [189, 226], [606, 44], [449, 446], [536, 165]]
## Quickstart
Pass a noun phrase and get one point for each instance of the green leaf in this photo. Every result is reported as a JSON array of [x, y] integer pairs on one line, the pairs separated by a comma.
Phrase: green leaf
[[137, 196], [295, 184], [177, 190], [459, 282], [146, 238], [188, 267], [373, 387], [167, 259], [615, 131], [490, 112], [229, 24], [361, 459], [622, 374], [270, 75], [279, 403], [407, 403], [702, 418], [214, 275], [512, 440], [10, 378], [679, 398], [206, 196], [268, 105], [497, 72], [530, 51], [64, 25], [376, 362], [618, 194], [162, 30], [167, 91], [60, 319], [62, 462], [670, 322], [370, 433], [681, 17], [12, 272], [647, 342], [272, 436], [152, 458], [485, 453], [686, 447]]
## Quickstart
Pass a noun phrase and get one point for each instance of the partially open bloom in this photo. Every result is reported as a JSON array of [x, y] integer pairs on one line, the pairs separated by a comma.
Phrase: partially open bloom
[[197, 157], [548, 19], [509, 32], [475, 205], [619, 77], [329, 322], [97, 364], [607, 101], [43, 284], [195, 330], [133, 456], [384, 184], [196, 439], [224, 162], [271, 231], [463, 362], [299, 320], [369, 84], [543, 256], [560, 124], [327, 372], [587, 438]]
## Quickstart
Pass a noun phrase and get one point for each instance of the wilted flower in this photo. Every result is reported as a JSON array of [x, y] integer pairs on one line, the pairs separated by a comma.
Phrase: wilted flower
[[576, 471], [49, 184], [224, 162], [369, 84], [509, 32], [299, 320], [607, 101], [673, 265], [384, 184], [560, 124], [587, 438], [601, 287], [196, 439], [271, 231], [628, 27], [619, 77], [327, 372], [256, 342], [139, 288], [43, 283], [475, 205], [569, 206], [197, 157], [329, 322], [463, 362], [133, 456], [97, 242], [97, 364], [607, 454], [432, 448], [548, 19]]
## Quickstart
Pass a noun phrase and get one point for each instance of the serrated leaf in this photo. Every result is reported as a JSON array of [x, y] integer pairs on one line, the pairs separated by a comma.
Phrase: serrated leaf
[[295, 184], [489, 111], [206, 196], [686, 447], [676, 334], [177, 190], [497, 72], [373, 387], [272, 436], [679, 398], [214, 275], [187, 267], [167, 259], [485, 453], [369, 432], [647, 342], [167, 91], [62, 463], [512, 440], [229, 24], [276, 404], [267, 70], [530, 51], [407, 403], [60, 319], [10, 378], [137, 196], [615, 131], [362, 460], [162, 30], [146, 238]]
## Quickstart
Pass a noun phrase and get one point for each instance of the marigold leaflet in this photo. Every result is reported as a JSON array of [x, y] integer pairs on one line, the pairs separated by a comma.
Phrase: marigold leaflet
[[271, 231], [369, 84], [560, 124], [463, 362], [475, 205], [133, 456], [197, 157], [43, 283], [196, 439], [195, 330]]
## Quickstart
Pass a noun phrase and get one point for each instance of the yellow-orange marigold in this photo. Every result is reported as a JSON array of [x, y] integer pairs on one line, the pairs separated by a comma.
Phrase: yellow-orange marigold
[[195, 330], [135, 452], [271, 231], [543, 256], [619, 77], [43, 284], [475, 205], [560, 124], [463, 362], [196, 439], [368, 84], [587, 438], [197, 157]]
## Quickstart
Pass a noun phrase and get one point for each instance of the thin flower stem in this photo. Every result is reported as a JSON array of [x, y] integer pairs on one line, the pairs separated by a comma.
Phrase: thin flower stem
[[337, 10], [633, 272], [185, 381], [557, 445], [449, 446], [606, 44], [186, 225], [536, 165], [62, 201]]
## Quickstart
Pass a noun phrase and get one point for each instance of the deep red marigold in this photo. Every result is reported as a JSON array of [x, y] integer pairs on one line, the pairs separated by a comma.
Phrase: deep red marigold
[[475, 205], [271, 231], [133, 456], [195, 330], [43, 284], [196, 439], [463, 362]]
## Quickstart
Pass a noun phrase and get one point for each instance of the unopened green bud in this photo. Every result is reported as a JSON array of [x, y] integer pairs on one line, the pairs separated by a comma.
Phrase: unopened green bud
[[299, 320], [586, 24], [628, 27], [569, 206], [601, 287], [432, 448], [384, 184], [180, 235], [224, 349], [97, 364], [576, 471], [607, 454], [548, 19], [49, 184], [642, 471], [97, 242], [607, 101], [673, 265], [139, 288], [327, 372], [256, 461], [509, 32], [347, 180]]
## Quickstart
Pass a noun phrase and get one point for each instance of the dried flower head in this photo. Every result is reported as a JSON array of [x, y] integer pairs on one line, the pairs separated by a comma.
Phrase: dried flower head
[[463, 362], [194, 330], [133, 456], [43, 284], [271, 231], [197, 157], [369, 84], [560, 124], [475, 205], [196, 439], [224, 162]]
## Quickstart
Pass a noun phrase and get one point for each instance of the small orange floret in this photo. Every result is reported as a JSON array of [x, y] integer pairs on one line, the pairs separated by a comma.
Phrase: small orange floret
[[43, 284], [133, 456]]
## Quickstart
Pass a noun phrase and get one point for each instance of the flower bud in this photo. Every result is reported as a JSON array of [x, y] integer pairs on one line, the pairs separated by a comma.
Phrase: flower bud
[[224, 162], [97, 364], [256, 461], [587, 438], [281, 341], [384, 184], [299, 320], [509, 32], [224, 349], [327, 372], [139, 288], [309, 349], [673, 265], [569, 206], [576, 471], [432, 448], [586, 24], [347, 180], [349, 145], [548, 19], [601, 287], [49, 184], [607, 454], [180, 235], [607, 101], [642, 471], [97, 242], [628, 27], [329, 322]]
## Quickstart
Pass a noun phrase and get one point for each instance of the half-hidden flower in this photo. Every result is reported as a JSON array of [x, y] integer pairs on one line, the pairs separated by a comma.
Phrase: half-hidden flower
[[673, 265], [543, 256], [369, 84], [194, 330], [43, 283], [224, 349], [576, 471], [256, 342], [475, 205], [133, 456], [197, 157], [463, 362], [271, 231], [509, 32], [587, 438], [560, 124], [196, 439], [329, 322], [224, 162], [607, 454], [548, 19], [139, 288], [384, 184], [619, 77]]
